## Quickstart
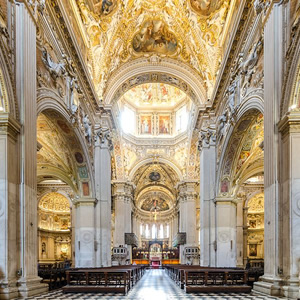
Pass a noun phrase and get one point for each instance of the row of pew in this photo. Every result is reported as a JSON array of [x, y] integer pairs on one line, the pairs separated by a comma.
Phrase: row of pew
[[195, 279], [116, 279], [53, 274]]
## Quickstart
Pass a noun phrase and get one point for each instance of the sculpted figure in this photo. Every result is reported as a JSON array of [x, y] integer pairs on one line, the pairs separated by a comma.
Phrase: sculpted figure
[[87, 128], [55, 69], [222, 122]]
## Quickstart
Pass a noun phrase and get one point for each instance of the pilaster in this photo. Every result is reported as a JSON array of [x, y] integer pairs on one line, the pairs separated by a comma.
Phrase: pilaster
[[123, 196], [208, 234], [102, 157], [188, 193], [9, 182], [226, 215], [273, 61], [85, 233], [25, 37]]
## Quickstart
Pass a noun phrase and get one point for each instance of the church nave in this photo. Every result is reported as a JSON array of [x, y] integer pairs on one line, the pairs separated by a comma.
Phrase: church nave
[[154, 285]]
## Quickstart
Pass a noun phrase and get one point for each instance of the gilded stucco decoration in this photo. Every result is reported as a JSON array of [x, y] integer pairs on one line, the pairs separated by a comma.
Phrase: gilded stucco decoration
[[55, 202], [142, 179], [255, 223], [206, 7], [190, 32]]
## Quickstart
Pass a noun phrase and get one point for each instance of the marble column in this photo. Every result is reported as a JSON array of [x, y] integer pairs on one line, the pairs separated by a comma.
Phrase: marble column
[[9, 185], [208, 242], [102, 157], [188, 193], [85, 234], [123, 195], [226, 232], [271, 282], [25, 37]]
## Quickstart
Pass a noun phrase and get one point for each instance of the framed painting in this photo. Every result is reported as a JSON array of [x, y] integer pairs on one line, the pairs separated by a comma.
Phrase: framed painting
[[164, 124], [146, 124]]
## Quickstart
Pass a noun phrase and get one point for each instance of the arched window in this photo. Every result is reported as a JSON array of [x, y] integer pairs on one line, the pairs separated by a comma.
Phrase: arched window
[[161, 231], [153, 231], [168, 231], [147, 231]]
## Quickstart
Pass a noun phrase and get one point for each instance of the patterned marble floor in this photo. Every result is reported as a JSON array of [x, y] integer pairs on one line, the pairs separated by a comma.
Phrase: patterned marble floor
[[155, 285]]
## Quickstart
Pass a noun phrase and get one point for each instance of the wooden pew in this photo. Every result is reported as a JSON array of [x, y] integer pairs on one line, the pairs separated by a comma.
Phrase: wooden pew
[[216, 280], [97, 280], [118, 279], [205, 279]]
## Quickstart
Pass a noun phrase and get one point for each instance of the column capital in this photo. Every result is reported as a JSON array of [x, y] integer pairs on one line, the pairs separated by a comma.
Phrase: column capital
[[123, 190], [188, 190], [103, 138], [9, 126], [207, 138], [226, 200], [85, 202], [290, 123]]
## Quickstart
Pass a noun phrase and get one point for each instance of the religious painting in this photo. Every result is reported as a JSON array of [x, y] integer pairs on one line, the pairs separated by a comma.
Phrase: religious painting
[[79, 157], [155, 205], [85, 189], [164, 124], [63, 126], [83, 173], [146, 124], [154, 36], [224, 186], [206, 7], [252, 250]]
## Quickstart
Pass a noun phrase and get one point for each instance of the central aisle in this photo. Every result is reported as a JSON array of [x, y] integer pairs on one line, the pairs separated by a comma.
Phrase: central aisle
[[154, 285]]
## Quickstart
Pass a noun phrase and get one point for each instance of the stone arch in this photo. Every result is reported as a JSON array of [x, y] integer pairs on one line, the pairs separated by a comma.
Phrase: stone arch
[[146, 70], [7, 88], [48, 191], [48, 101], [150, 160], [235, 139], [291, 89]]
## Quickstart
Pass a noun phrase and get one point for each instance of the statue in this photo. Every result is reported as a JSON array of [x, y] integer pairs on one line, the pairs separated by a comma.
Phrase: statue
[[56, 70], [87, 129], [222, 121]]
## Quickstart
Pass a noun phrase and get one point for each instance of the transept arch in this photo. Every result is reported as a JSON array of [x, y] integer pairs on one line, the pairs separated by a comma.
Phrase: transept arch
[[159, 70], [291, 89], [55, 135], [247, 137]]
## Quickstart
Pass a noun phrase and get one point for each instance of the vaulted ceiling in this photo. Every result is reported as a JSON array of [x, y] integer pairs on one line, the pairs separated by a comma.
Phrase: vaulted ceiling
[[192, 32]]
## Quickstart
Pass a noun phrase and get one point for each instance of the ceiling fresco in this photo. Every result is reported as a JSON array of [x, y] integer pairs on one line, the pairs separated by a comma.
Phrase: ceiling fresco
[[154, 95], [120, 31]]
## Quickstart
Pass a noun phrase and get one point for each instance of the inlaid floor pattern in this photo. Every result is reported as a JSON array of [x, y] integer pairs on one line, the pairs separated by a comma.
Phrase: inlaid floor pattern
[[155, 285]]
